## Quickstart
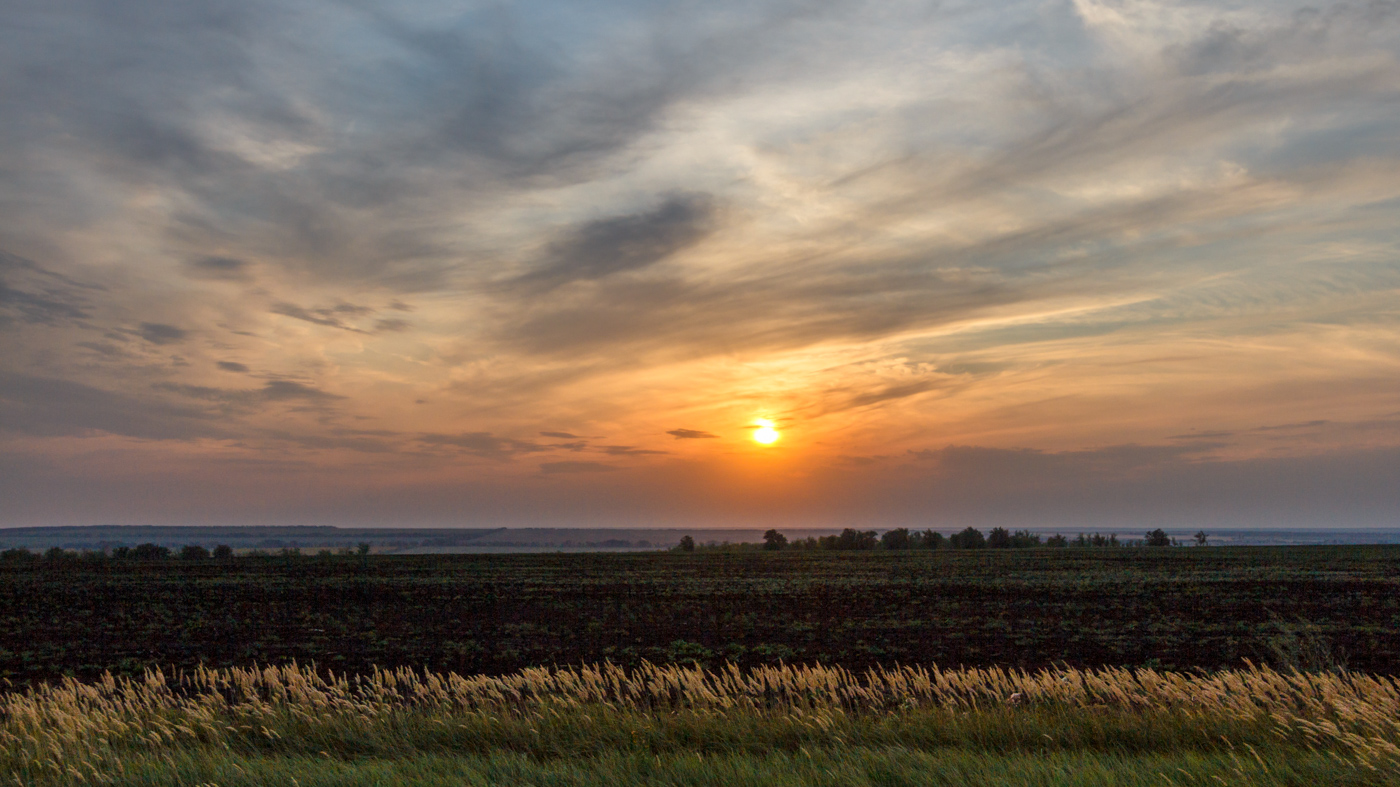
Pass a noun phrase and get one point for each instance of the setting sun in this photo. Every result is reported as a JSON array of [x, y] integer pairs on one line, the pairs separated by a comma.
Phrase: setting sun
[[765, 433]]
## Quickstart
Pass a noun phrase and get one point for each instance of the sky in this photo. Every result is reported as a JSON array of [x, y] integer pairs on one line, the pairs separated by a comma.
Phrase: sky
[[1053, 263]]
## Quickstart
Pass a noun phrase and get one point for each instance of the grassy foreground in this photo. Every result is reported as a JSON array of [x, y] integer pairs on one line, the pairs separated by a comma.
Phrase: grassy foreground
[[680, 726]]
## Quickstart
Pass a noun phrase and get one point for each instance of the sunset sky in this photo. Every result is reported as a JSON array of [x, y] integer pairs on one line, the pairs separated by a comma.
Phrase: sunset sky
[[1064, 264]]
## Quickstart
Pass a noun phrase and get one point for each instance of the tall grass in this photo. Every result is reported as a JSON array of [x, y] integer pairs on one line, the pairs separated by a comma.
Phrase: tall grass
[[212, 725]]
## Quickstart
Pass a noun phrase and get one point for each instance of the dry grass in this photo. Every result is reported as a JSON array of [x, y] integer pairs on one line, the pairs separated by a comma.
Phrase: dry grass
[[92, 732]]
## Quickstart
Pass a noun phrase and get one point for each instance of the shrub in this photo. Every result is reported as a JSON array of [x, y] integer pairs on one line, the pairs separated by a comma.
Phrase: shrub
[[17, 555], [1057, 541], [687, 544], [1158, 538], [971, 538], [193, 552], [773, 540], [1024, 539], [150, 552], [850, 538], [896, 539], [223, 552], [999, 538]]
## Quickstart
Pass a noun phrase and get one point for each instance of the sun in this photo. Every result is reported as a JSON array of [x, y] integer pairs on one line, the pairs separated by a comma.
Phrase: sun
[[765, 433]]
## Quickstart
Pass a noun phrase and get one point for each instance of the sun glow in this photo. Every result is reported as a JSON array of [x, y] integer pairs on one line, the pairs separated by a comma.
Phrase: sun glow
[[765, 433]]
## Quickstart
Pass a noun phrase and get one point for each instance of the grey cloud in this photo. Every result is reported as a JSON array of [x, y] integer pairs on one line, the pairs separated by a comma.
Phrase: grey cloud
[[50, 407], [392, 325], [45, 297], [560, 435], [1290, 427], [272, 391], [282, 390], [845, 401], [552, 468], [103, 348], [624, 243], [160, 333], [232, 366], [483, 444], [326, 317], [218, 268], [626, 450], [691, 434]]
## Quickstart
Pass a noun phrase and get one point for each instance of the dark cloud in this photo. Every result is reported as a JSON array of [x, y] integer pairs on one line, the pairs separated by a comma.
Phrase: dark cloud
[[102, 348], [392, 326], [484, 444], [626, 450], [272, 391], [560, 435], [46, 298], [576, 467], [232, 366], [691, 434], [218, 268], [283, 390], [160, 333], [329, 317], [623, 243], [1290, 427], [49, 407]]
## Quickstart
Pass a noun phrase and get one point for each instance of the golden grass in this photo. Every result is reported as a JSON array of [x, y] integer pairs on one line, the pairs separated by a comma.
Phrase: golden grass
[[78, 732]]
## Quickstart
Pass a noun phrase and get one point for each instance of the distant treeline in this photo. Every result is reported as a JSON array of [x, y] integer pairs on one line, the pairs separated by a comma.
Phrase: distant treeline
[[190, 552], [903, 538]]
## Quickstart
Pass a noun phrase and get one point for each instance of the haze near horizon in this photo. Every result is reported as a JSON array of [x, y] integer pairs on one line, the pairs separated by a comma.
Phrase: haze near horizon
[[1051, 264]]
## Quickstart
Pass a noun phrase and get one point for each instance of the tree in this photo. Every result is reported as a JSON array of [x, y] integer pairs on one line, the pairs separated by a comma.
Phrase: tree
[[933, 539], [971, 538], [773, 540], [687, 544], [851, 538], [896, 539], [362, 548], [1158, 538], [223, 552], [193, 552], [1024, 539], [150, 552], [1202, 538], [1057, 541], [999, 538], [56, 554]]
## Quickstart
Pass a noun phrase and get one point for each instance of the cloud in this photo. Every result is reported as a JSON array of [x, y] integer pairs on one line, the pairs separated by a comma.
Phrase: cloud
[[552, 468], [627, 450], [218, 269], [561, 435], [272, 391], [392, 326], [282, 390], [691, 434], [484, 444], [623, 243], [49, 407], [47, 298], [232, 366], [160, 333], [327, 316]]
